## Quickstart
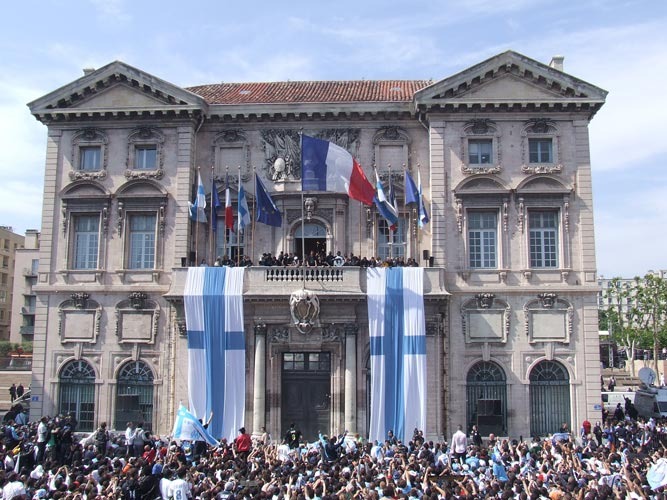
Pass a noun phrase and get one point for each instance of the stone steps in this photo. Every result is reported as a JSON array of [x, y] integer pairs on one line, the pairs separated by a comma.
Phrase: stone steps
[[9, 377]]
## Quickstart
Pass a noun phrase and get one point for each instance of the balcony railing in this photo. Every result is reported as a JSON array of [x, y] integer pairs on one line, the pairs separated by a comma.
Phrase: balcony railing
[[260, 280], [29, 273], [27, 311]]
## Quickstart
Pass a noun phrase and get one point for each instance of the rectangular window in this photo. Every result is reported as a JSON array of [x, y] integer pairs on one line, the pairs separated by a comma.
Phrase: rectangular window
[[391, 244], [3, 279], [3, 296], [229, 243], [34, 267], [86, 241], [482, 239], [90, 158], [543, 238], [5, 261], [145, 158], [6, 245], [541, 150], [142, 241], [480, 151]]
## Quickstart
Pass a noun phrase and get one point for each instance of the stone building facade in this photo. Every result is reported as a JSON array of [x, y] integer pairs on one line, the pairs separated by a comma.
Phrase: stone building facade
[[10, 243], [509, 254]]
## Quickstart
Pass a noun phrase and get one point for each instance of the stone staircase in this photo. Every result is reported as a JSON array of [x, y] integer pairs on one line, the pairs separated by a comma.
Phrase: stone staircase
[[624, 381], [9, 377]]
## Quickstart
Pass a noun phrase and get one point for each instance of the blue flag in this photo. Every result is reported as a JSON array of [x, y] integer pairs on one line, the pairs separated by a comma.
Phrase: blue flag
[[215, 205], [411, 191], [267, 212]]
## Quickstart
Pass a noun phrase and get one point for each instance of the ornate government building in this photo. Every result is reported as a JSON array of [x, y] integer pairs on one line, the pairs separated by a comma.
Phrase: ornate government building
[[510, 285]]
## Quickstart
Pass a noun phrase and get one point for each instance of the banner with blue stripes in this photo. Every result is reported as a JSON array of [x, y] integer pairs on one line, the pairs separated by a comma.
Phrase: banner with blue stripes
[[213, 299], [397, 333]]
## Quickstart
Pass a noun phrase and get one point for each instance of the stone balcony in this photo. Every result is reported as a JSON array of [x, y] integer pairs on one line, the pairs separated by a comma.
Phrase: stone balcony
[[276, 281]]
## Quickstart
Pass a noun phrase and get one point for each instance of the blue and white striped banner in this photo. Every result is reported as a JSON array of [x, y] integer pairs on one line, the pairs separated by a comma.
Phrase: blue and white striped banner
[[398, 351], [213, 299]]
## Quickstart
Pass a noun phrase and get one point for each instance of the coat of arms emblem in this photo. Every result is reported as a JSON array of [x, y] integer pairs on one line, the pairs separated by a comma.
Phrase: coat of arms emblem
[[305, 309]]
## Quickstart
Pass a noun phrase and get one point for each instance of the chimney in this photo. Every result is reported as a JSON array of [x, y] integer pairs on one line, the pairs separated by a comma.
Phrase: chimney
[[88, 71], [557, 62]]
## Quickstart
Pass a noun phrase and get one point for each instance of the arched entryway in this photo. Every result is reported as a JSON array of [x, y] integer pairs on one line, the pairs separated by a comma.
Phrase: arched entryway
[[77, 393], [486, 398], [549, 398], [134, 395], [313, 237]]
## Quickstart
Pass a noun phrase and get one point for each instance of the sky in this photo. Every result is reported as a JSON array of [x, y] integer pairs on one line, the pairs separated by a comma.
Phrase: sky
[[620, 46]]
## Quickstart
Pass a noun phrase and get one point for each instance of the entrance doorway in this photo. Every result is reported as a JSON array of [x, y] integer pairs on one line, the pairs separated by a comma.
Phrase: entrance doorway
[[306, 393], [312, 239]]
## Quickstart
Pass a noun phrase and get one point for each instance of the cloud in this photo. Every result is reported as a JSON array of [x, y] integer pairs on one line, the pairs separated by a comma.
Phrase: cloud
[[112, 11]]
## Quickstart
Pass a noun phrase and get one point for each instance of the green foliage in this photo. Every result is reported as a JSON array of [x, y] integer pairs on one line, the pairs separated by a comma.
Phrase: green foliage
[[7, 348], [637, 311]]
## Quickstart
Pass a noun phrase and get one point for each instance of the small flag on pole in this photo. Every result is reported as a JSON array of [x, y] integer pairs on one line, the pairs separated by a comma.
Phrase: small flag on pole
[[215, 205], [198, 208], [386, 208], [229, 213], [423, 214], [244, 213], [267, 212]]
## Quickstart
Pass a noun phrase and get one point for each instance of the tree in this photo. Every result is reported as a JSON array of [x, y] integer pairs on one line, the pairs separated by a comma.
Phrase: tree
[[637, 314]]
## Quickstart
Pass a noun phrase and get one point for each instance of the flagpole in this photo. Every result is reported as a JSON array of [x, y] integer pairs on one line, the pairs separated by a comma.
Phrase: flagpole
[[197, 222], [252, 220], [391, 231], [238, 224], [211, 232], [303, 230], [224, 239]]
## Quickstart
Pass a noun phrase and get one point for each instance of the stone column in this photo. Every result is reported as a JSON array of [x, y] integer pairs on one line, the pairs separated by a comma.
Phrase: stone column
[[259, 385], [351, 377]]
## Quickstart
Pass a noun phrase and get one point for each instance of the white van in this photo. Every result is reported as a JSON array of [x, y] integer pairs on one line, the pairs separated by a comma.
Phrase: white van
[[611, 399]]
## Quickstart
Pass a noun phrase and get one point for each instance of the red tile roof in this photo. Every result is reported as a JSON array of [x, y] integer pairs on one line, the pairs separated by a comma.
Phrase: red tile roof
[[314, 92]]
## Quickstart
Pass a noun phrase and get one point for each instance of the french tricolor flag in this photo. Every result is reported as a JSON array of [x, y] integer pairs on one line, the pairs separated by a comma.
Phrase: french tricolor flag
[[328, 167], [229, 214]]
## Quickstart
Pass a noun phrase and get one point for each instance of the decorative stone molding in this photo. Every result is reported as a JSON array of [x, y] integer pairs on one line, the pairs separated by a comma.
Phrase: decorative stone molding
[[521, 214], [485, 319], [548, 319], [333, 333], [80, 299], [481, 129], [393, 138], [485, 300], [282, 153], [505, 215], [260, 328], [144, 174], [305, 310], [89, 137], [310, 205], [458, 209], [325, 214], [79, 319], [232, 146], [144, 136], [351, 329], [486, 352], [542, 169], [279, 334], [137, 319]]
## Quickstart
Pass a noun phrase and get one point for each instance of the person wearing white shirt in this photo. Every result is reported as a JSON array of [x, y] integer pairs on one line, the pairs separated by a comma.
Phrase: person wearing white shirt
[[14, 488], [459, 444], [129, 440], [180, 489]]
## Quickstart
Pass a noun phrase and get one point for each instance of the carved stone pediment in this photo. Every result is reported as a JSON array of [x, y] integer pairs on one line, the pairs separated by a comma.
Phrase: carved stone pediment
[[485, 319]]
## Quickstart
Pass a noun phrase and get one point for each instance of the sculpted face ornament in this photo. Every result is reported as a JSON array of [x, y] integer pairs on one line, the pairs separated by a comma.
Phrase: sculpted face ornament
[[305, 309]]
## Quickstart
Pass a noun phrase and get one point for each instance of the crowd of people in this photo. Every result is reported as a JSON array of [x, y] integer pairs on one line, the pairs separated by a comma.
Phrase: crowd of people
[[613, 459], [322, 259]]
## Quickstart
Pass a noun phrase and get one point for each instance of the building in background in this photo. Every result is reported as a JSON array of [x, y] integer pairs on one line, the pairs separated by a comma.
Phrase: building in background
[[24, 298], [510, 287], [10, 242]]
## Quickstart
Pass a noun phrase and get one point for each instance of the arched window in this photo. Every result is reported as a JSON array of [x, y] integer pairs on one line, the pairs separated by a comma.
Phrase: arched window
[[77, 393], [549, 398], [134, 395], [486, 398]]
